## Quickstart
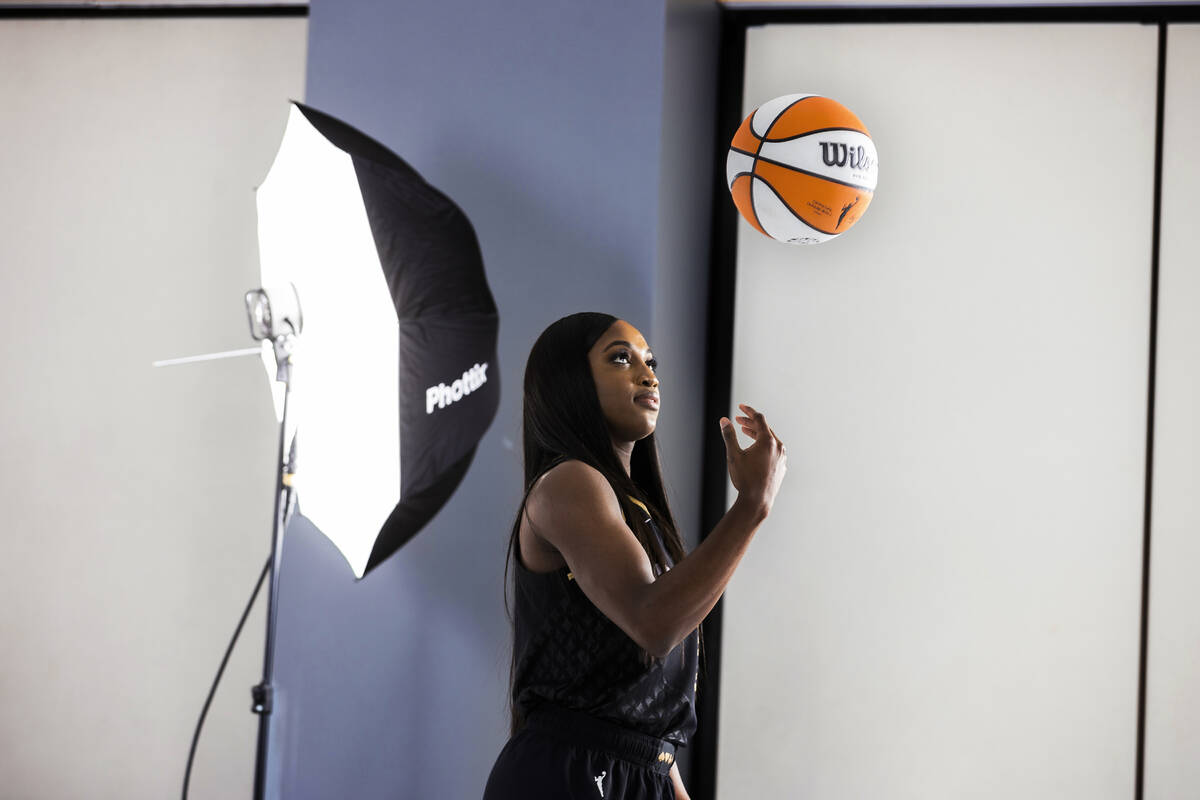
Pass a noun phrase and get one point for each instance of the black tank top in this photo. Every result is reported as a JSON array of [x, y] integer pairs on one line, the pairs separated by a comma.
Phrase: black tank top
[[571, 655]]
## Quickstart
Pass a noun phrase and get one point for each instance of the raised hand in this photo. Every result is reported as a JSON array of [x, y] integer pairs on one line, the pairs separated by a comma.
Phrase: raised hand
[[757, 471]]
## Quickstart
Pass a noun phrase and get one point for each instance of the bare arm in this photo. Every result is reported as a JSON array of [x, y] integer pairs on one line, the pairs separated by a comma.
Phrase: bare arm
[[684, 595], [680, 792], [573, 508]]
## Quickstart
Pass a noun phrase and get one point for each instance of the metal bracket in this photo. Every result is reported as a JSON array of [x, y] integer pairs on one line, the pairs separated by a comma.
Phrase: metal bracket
[[262, 695]]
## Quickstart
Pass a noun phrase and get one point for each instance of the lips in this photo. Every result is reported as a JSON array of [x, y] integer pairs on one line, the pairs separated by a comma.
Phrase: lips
[[647, 399]]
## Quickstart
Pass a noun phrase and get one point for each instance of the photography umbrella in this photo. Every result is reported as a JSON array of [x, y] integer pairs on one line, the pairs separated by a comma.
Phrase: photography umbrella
[[396, 377]]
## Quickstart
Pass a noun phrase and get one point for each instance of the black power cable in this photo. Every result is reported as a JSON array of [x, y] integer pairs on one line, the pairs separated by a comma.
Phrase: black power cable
[[200, 723]]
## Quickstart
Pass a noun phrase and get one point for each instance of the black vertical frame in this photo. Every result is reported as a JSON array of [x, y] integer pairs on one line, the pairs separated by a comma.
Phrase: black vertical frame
[[1160, 107], [723, 281]]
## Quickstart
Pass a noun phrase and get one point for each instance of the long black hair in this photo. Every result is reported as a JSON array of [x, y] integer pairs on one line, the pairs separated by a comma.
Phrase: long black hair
[[562, 419]]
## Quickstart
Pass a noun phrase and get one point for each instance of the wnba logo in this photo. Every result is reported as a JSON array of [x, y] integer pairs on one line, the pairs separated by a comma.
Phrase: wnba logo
[[836, 154]]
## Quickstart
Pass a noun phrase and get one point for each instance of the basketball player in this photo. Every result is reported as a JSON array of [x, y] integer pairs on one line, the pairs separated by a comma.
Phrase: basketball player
[[607, 606]]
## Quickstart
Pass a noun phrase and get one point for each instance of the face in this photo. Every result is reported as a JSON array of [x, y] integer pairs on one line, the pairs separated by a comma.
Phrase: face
[[623, 368]]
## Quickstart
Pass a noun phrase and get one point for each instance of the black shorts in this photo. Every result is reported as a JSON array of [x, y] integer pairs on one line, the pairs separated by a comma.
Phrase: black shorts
[[566, 755]]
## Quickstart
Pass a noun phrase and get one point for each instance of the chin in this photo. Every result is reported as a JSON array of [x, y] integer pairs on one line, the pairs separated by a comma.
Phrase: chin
[[647, 431], [636, 434]]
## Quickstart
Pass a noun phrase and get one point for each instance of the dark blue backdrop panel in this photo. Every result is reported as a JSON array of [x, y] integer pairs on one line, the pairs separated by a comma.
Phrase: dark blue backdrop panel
[[542, 120]]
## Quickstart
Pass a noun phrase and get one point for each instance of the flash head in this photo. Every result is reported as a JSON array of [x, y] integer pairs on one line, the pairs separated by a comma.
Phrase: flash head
[[274, 312]]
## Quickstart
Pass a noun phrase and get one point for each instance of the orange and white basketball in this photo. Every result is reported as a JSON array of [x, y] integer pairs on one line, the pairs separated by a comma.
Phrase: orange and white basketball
[[802, 169]]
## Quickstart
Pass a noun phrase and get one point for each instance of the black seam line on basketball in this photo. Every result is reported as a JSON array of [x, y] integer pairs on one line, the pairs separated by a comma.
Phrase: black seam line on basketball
[[781, 165], [819, 130], [775, 121], [728, 180], [761, 142], [789, 208], [733, 180], [754, 208], [763, 139]]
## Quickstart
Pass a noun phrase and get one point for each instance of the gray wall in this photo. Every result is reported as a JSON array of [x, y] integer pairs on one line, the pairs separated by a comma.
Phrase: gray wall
[[136, 501], [578, 139]]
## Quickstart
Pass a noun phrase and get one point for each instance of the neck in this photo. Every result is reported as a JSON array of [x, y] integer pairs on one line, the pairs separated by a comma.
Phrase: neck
[[624, 454]]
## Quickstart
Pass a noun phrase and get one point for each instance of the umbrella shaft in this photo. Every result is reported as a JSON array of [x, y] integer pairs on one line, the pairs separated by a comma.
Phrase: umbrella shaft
[[264, 693], [250, 351]]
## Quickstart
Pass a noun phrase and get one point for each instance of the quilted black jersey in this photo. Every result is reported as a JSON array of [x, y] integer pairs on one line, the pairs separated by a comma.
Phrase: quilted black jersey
[[571, 655]]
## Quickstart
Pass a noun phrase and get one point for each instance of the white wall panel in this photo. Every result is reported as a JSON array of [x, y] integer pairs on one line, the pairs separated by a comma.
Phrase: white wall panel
[[945, 600], [777, 5], [1173, 674], [136, 501]]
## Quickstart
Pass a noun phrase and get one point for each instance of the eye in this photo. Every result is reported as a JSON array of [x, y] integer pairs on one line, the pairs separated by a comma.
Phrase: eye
[[622, 357]]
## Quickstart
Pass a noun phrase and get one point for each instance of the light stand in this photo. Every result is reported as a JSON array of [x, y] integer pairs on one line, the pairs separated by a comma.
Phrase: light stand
[[282, 328], [275, 315]]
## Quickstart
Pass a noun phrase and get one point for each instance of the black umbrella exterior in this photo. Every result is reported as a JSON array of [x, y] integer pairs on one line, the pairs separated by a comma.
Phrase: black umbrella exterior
[[446, 330]]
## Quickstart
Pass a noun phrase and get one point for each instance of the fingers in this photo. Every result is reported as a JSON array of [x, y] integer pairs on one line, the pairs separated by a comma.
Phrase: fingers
[[730, 437], [754, 416], [755, 422]]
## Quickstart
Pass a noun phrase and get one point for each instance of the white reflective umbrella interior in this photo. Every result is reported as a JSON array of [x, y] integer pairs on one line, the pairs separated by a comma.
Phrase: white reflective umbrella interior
[[313, 232]]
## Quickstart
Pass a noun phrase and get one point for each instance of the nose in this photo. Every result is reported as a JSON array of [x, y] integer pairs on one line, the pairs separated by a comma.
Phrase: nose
[[650, 381]]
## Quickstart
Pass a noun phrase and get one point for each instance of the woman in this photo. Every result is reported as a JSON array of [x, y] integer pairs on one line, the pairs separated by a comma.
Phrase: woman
[[605, 653]]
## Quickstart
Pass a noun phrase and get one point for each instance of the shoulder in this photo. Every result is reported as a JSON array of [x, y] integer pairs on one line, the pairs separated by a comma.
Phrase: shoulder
[[574, 509], [572, 489]]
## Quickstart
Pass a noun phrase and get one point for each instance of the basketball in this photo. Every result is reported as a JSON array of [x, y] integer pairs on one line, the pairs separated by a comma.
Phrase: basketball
[[802, 169]]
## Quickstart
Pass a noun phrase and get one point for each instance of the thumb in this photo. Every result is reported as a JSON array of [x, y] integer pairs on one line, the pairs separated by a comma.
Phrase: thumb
[[730, 437]]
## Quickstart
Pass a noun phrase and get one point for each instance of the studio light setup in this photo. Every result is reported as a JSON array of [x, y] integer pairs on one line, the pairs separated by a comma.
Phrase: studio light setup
[[378, 336]]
